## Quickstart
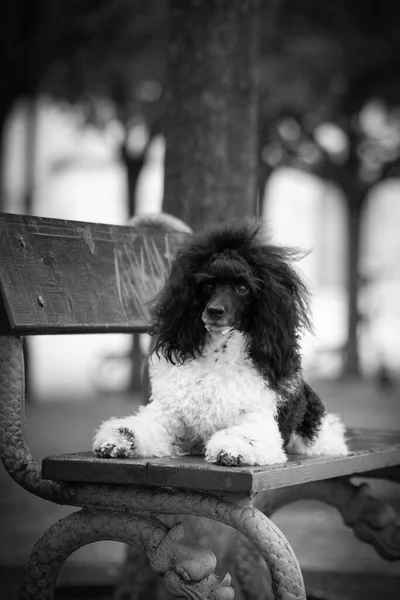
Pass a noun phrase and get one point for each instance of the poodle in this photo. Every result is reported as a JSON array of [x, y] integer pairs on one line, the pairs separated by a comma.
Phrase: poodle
[[225, 368]]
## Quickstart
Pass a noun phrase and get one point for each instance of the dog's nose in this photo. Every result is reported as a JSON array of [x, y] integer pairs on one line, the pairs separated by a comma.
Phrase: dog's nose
[[215, 312]]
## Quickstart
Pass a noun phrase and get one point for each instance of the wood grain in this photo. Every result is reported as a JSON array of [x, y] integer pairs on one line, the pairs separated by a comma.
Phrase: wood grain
[[84, 466], [65, 276], [370, 451]]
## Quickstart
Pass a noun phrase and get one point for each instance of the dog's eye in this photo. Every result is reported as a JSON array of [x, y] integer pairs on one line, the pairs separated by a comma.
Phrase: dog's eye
[[207, 287], [242, 289]]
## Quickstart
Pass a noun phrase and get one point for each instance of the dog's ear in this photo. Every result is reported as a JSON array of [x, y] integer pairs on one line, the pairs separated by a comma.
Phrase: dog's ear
[[177, 327], [279, 313]]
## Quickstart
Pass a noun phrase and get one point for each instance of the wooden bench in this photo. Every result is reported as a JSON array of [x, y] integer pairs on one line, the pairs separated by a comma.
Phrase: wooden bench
[[64, 277]]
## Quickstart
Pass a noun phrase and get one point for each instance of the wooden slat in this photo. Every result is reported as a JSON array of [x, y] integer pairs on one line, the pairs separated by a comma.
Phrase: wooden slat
[[93, 470], [65, 276], [371, 451]]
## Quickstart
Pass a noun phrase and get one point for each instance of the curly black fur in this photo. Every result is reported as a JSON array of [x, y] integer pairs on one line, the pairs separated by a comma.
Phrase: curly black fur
[[274, 320], [301, 412]]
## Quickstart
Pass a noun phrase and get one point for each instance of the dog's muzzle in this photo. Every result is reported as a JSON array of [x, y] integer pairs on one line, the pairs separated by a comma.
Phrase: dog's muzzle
[[215, 313], [215, 319]]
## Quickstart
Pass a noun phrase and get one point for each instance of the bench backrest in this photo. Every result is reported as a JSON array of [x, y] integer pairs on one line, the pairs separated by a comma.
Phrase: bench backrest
[[65, 276]]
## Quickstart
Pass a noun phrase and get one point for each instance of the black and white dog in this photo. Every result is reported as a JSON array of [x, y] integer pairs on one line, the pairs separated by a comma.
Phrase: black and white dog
[[225, 370]]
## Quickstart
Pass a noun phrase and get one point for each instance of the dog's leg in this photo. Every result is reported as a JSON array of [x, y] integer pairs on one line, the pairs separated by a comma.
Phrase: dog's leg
[[255, 441], [329, 440], [148, 433], [319, 433]]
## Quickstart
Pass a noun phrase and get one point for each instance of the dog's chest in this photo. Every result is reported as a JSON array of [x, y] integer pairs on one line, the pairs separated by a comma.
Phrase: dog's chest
[[214, 390]]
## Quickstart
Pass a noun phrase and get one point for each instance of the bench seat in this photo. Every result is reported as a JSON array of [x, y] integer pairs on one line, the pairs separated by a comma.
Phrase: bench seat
[[371, 450]]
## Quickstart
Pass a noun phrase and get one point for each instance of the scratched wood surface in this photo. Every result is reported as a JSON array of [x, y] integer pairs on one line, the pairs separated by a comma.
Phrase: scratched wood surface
[[370, 451], [64, 276]]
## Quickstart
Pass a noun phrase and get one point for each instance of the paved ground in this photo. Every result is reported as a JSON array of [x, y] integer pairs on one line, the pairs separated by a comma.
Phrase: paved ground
[[322, 543]]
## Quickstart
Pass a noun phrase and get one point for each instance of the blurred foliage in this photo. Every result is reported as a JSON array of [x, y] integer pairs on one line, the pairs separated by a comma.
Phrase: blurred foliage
[[324, 69], [111, 59], [28, 39], [111, 63], [103, 55], [330, 105], [331, 91]]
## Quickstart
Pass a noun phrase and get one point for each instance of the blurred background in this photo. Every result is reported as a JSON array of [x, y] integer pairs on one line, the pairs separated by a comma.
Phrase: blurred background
[[84, 124]]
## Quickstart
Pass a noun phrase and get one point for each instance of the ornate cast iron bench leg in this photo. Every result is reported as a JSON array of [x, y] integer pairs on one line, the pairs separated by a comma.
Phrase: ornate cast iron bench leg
[[373, 521], [123, 504], [187, 568]]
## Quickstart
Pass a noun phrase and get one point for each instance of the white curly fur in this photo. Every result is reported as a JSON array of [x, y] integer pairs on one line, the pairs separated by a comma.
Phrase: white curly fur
[[219, 400], [217, 403], [331, 439]]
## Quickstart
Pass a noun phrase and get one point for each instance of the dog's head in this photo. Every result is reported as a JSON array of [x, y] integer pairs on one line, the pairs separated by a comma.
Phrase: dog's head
[[231, 278], [228, 287]]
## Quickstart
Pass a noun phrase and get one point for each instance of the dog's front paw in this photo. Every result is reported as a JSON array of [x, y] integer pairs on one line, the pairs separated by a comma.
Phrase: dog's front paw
[[226, 459], [111, 451], [117, 444], [231, 451]]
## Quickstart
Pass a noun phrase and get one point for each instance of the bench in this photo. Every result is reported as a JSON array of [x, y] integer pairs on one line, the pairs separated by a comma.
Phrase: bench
[[61, 277]]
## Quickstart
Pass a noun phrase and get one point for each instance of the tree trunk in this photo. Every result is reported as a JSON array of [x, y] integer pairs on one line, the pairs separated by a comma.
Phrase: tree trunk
[[31, 123], [5, 109], [351, 367], [212, 111], [133, 167], [264, 175], [3, 199]]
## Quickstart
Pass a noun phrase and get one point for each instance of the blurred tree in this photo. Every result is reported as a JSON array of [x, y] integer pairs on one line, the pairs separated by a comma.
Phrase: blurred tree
[[212, 112], [28, 36], [105, 56], [331, 105], [111, 64]]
